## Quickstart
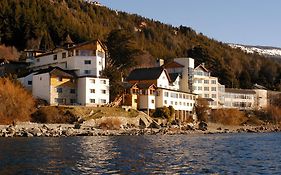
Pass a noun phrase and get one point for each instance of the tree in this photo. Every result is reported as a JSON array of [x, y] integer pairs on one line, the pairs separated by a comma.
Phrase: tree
[[122, 49], [201, 108]]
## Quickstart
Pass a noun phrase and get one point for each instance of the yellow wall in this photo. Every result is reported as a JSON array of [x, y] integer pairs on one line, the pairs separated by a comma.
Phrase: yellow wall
[[66, 82]]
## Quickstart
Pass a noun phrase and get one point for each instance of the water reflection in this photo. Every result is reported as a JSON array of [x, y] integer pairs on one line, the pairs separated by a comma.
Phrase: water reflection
[[186, 154]]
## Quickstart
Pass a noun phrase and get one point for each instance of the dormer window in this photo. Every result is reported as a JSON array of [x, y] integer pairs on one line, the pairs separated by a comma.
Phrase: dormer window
[[59, 78]]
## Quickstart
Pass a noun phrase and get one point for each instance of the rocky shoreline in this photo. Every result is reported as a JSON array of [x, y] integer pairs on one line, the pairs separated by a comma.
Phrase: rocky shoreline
[[68, 130]]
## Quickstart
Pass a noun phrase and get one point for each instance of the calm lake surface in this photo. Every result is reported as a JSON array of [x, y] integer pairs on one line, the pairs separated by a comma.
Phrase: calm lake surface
[[180, 154]]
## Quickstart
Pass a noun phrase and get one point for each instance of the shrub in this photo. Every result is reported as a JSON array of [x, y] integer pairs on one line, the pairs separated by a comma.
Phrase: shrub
[[202, 108], [228, 116], [271, 114], [17, 104], [110, 123], [53, 114], [165, 112]]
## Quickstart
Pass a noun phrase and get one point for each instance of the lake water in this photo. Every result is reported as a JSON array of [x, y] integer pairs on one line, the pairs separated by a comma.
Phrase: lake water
[[179, 154]]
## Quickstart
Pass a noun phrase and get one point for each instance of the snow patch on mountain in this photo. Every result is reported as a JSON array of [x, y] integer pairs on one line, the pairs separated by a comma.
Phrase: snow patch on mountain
[[261, 50]]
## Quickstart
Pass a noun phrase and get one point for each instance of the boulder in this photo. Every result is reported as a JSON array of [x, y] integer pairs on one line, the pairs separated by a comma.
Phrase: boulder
[[202, 126]]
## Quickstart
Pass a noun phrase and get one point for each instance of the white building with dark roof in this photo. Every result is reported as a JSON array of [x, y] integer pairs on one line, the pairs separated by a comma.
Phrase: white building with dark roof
[[84, 62]]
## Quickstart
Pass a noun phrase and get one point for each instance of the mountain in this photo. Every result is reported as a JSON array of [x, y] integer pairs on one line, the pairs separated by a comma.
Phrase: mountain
[[44, 24], [266, 51]]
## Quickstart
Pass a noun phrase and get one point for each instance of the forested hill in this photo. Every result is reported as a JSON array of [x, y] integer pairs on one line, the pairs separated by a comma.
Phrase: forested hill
[[43, 24]]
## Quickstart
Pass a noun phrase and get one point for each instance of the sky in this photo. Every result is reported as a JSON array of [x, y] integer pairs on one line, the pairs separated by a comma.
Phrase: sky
[[249, 22]]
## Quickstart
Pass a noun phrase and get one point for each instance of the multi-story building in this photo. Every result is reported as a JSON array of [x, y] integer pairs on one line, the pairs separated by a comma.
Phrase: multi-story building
[[166, 92], [85, 62], [245, 99], [197, 80]]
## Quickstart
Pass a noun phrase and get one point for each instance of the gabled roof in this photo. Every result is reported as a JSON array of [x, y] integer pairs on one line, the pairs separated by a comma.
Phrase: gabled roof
[[202, 66], [152, 73], [174, 76], [58, 72], [58, 49], [146, 85], [239, 91], [173, 65]]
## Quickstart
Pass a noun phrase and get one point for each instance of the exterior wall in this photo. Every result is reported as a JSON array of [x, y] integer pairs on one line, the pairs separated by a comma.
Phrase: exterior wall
[[67, 95], [239, 100], [41, 86], [93, 91], [74, 59], [207, 87], [261, 98], [176, 84], [179, 100], [27, 81], [146, 102], [131, 100], [163, 81], [187, 73]]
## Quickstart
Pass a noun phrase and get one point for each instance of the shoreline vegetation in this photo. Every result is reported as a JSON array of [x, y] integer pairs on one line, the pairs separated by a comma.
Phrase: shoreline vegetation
[[31, 118]]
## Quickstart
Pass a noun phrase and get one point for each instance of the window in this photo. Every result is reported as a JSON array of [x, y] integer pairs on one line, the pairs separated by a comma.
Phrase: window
[[199, 81], [213, 88], [55, 57], [59, 100], [199, 88], [92, 91], [87, 62], [176, 103], [103, 91], [72, 101], [72, 91], [206, 88], [59, 78], [103, 81], [93, 81], [152, 101], [206, 81], [85, 53], [214, 95], [103, 101], [213, 81], [40, 78], [206, 95], [135, 101], [59, 90], [100, 63], [87, 71], [92, 100], [166, 94], [63, 55], [29, 82], [165, 101]]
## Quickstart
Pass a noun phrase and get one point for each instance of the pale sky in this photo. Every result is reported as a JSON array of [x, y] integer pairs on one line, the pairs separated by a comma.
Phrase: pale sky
[[250, 22]]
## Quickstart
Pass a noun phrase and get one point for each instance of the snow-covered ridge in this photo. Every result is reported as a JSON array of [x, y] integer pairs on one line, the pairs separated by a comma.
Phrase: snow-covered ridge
[[265, 51]]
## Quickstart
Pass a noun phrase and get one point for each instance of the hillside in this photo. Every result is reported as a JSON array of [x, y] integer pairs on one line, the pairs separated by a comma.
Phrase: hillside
[[43, 24]]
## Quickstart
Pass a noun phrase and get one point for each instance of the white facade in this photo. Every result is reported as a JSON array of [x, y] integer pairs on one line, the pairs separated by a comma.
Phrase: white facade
[[147, 101], [41, 87], [85, 62], [186, 72], [27, 81], [92, 91], [239, 98], [179, 100], [163, 80], [261, 98]]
